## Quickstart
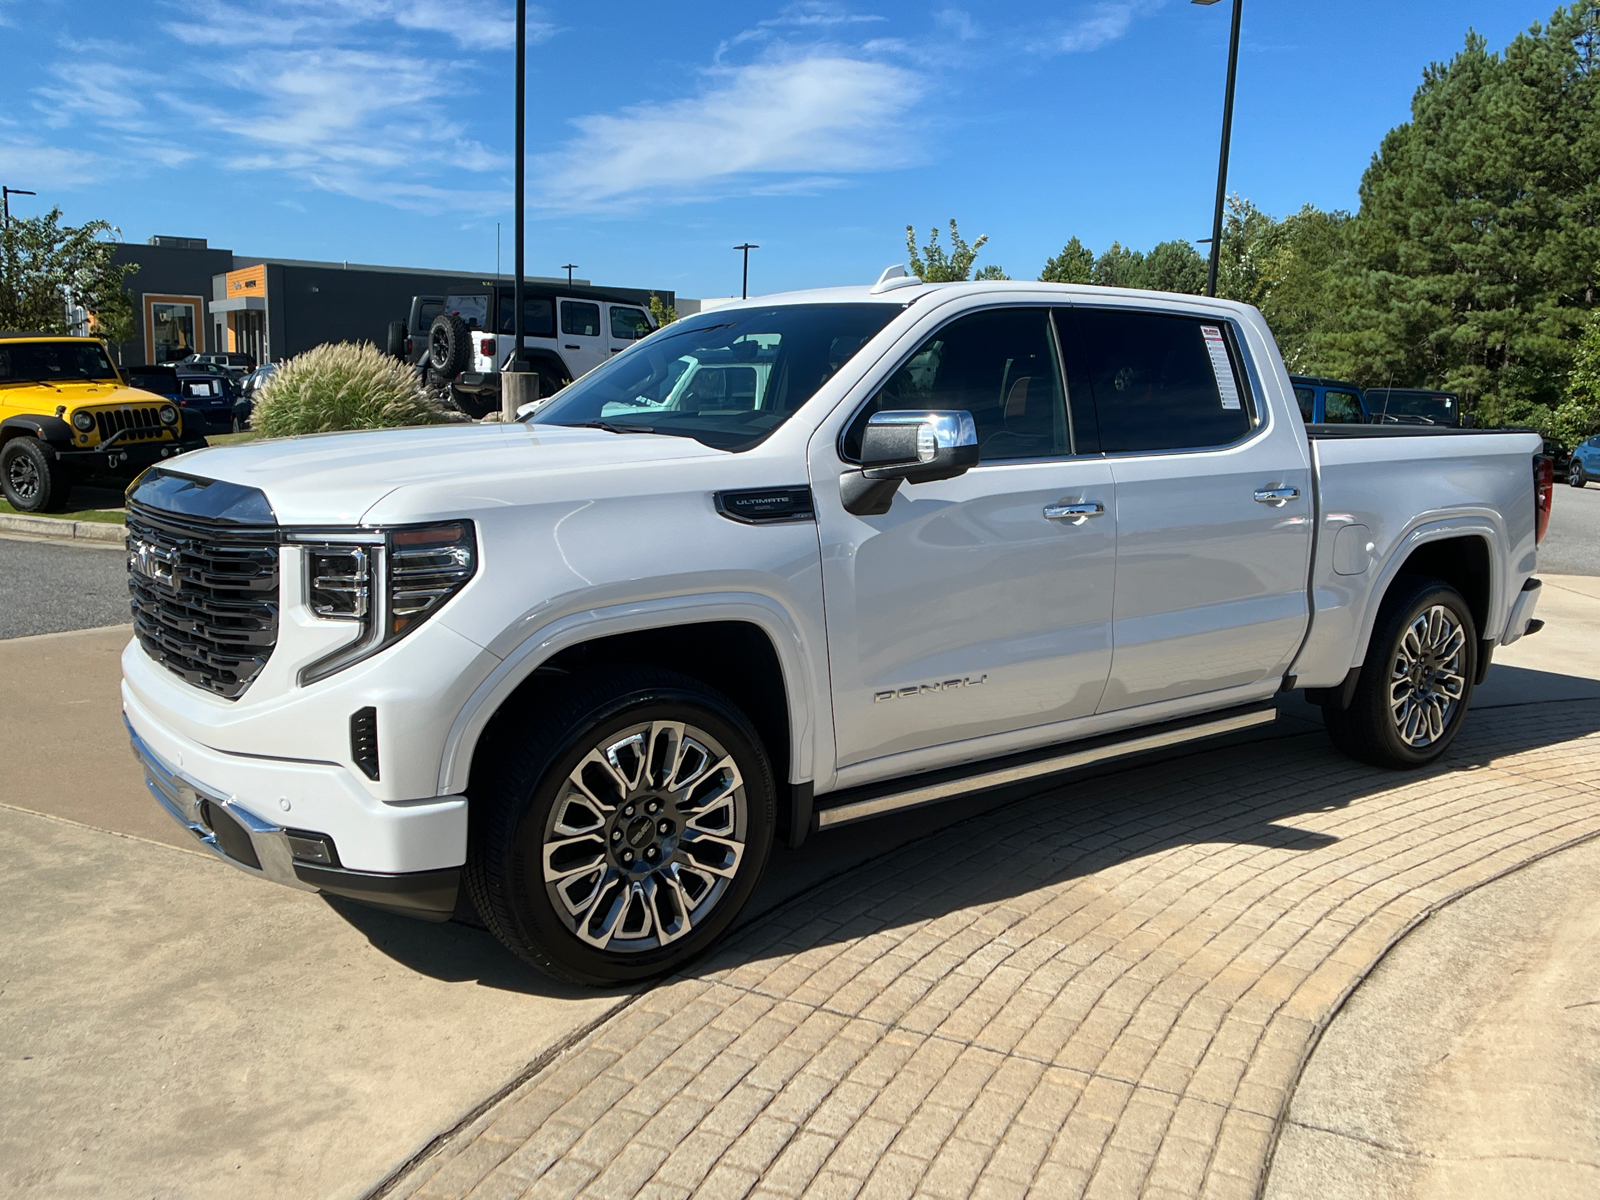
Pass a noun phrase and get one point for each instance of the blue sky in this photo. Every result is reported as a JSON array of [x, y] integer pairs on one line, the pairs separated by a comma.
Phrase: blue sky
[[662, 134]]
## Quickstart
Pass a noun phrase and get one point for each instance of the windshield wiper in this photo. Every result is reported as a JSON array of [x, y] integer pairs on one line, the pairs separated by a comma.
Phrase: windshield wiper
[[609, 426]]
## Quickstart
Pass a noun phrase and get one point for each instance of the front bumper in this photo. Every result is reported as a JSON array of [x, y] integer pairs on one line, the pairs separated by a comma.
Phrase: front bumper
[[124, 458], [243, 839]]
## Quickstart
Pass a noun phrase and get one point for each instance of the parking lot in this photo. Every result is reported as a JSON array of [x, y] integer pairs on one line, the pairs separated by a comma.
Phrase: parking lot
[[1109, 986]]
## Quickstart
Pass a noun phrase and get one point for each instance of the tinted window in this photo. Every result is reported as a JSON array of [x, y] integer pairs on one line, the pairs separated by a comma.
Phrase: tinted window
[[538, 315], [1306, 398], [1161, 382], [54, 360], [727, 378], [427, 311], [1000, 366], [629, 324], [580, 320], [1342, 408], [473, 309]]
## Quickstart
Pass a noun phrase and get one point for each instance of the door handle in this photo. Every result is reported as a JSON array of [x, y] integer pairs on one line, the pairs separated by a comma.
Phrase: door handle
[[569, 346], [1276, 495], [1074, 511]]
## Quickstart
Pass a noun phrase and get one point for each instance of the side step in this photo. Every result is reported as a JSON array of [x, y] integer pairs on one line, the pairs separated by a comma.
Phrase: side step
[[872, 800]]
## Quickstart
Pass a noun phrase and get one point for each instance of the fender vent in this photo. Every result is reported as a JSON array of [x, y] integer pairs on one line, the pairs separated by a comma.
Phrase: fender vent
[[364, 740], [767, 506]]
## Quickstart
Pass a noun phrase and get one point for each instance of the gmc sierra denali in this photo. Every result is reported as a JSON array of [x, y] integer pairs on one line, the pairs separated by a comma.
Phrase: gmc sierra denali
[[781, 566]]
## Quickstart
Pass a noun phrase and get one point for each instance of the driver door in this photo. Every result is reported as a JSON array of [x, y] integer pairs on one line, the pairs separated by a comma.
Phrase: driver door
[[966, 610]]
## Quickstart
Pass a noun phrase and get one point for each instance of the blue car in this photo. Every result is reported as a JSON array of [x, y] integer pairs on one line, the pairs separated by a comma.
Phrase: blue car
[[1585, 464], [1329, 401]]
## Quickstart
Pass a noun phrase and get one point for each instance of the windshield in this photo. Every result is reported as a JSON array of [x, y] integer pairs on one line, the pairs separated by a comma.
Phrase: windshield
[[50, 362], [1426, 406], [726, 378]]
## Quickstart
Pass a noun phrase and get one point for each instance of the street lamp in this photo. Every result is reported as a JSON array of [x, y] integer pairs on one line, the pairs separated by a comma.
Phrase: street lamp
[[569, 268], [744, 288], [1222, 157], [514, 382], [5, 202]]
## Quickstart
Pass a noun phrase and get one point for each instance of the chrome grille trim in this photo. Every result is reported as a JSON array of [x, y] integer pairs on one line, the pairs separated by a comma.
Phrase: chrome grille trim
[[204, 596]]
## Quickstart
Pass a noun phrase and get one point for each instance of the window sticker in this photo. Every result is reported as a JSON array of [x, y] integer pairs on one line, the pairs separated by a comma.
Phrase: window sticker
[[1221, 367]]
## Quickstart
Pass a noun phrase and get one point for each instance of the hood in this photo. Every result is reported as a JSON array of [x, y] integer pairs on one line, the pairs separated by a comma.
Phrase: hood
[[79, 393], [335, 478]]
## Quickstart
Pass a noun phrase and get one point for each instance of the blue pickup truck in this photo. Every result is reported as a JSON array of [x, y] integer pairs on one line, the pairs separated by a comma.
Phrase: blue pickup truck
[[1329, 401]]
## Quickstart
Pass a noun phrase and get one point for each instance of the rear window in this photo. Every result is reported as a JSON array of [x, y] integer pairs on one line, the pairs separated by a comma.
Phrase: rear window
[[1306, 398], [726, 378], [580, 320], [1161, 381], [473, 309], [1342, 408]]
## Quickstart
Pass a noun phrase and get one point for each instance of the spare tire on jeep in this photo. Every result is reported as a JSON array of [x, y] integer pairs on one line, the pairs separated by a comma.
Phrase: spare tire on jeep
[[395, 344], [449, 345]]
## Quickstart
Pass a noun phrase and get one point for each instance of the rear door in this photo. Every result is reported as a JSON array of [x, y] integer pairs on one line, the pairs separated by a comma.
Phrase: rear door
[[1213, 506], [584, 345], [626, 323]]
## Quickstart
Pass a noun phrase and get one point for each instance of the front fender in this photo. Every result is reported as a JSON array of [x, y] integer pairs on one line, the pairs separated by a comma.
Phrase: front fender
[[49, 429], [794, 659]]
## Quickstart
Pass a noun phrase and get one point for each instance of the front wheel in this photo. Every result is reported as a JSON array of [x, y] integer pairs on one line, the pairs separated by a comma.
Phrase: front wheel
[[1576, 475], [1415, 685], [31, 476], [626, 831]]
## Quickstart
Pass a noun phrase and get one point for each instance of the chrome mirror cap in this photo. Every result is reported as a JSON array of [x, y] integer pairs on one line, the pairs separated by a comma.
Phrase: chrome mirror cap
[[918, 447]]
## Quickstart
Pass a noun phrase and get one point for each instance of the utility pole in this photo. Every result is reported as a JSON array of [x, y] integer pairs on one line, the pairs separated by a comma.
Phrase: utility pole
[[1222, 157], [517, 385], [744, 288], [569, 268]]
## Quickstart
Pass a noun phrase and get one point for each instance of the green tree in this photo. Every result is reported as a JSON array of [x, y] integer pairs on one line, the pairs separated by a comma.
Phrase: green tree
[[1175, 266], [46, 268], [664, 313], [1075, 264], [1473, 261], [1578, 415], [992, 271], [933, 265], [1119, 267]]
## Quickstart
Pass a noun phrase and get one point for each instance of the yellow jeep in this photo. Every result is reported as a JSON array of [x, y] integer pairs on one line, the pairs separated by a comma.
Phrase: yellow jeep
[[66, 415]]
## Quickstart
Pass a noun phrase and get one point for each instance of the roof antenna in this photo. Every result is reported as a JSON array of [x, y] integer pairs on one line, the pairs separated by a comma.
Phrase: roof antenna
[[894, 277]]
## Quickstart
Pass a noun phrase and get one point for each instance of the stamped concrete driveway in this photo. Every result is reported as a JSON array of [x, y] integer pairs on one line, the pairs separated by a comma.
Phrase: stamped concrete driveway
[[1104, 987]]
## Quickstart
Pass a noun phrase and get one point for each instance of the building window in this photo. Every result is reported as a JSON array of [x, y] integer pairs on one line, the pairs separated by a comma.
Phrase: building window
[[172, 327]]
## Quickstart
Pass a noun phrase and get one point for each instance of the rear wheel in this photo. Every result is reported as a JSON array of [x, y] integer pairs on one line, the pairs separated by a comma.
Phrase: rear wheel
[[32, 477], [1415, 685], [1576, 475], [625, 833]]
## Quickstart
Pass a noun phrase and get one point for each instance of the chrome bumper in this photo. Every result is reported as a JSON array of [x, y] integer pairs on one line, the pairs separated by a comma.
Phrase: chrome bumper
[[185, 800]]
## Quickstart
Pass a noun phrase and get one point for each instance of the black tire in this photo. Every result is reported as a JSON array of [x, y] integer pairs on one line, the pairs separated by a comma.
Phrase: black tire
[[395, 344], [449, 345], [1576, 475], [514, 819], [1435, 691], [32, 477]]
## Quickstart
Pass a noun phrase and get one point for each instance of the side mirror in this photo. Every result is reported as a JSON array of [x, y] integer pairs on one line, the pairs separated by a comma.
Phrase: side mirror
[[918, 447]]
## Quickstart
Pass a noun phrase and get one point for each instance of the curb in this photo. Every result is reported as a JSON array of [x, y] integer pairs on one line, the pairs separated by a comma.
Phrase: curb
[[55, 527]]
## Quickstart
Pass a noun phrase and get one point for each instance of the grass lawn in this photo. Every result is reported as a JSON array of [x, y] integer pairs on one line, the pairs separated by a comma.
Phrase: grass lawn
[[77, 510]]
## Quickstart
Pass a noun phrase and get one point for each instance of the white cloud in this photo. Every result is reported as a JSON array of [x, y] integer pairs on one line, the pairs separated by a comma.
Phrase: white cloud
[[815, 116], [48, 168], [1102, 23], [482, 25]]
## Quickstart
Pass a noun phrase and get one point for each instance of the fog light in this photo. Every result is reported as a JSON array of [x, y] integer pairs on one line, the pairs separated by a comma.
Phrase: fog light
[[314, 848]]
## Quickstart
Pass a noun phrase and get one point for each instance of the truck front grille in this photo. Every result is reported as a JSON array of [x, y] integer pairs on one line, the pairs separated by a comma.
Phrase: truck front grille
[[204, 596], [142, 423]]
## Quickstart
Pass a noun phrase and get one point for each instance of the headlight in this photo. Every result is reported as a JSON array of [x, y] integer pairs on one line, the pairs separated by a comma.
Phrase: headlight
[[169, 415], [83, 420], [388, 582]]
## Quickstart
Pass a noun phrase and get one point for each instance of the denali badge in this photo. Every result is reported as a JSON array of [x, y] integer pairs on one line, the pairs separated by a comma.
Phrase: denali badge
[[924, 689]]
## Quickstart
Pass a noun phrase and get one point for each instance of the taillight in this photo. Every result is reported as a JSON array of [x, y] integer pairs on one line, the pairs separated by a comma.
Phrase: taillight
[[486, 347], [1544, 491], [410, 348]]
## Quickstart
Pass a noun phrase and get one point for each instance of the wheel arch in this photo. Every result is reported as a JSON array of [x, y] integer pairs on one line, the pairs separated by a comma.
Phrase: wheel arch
[[745, 647], [1460, 553], [52, 430]]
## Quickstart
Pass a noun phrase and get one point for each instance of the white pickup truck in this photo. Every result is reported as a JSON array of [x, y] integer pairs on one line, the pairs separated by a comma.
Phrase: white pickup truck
[[781, 566]]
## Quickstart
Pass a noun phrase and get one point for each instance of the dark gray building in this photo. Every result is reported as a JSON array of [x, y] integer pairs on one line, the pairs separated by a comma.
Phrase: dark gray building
[[189, 298]]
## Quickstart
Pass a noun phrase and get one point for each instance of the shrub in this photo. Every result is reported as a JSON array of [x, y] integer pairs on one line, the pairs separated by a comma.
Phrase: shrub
[[342, 386]]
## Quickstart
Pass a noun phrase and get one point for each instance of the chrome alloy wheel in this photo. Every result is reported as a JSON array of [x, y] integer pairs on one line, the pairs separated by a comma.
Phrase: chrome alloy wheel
[[1426, 682], [23, 475], [645, 837]]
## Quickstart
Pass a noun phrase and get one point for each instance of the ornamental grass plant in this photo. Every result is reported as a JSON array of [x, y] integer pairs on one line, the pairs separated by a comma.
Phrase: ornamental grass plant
[[339, 386]]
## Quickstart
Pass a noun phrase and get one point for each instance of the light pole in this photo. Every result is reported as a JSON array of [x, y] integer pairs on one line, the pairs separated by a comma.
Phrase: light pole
[[744, 288], [514, 381], [569, 268], [5, 224], [1222, 157]]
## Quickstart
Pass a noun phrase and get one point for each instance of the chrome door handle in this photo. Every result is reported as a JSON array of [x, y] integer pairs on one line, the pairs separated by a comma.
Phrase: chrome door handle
[[1068, 511], [1276, 495]]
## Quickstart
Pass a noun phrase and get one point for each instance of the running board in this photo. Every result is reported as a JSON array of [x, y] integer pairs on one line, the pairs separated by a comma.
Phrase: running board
[[976, 777]]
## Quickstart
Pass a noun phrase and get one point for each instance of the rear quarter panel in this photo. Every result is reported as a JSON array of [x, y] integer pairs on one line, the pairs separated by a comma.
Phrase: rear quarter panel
[[1406, 491]]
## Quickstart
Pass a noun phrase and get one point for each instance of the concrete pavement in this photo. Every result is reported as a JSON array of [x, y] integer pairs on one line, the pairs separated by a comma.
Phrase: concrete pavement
[[317, 1048]]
